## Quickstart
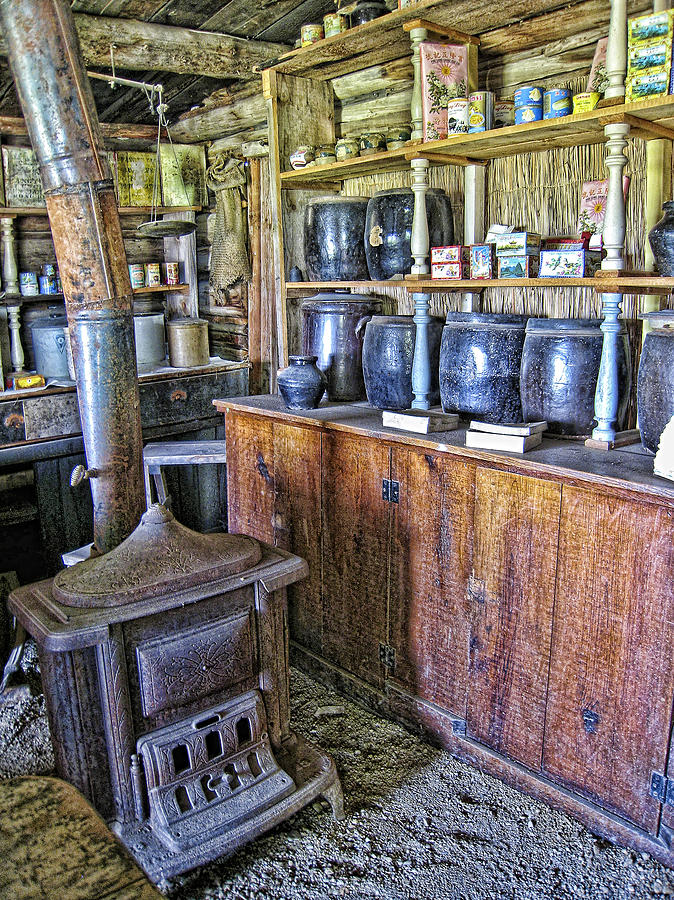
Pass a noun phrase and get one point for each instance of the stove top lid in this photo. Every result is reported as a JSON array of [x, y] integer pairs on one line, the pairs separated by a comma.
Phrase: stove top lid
[[160, 556]]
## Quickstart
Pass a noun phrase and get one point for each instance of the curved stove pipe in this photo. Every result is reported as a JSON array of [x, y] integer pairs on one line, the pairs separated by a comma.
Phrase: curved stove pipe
[[60, 114]]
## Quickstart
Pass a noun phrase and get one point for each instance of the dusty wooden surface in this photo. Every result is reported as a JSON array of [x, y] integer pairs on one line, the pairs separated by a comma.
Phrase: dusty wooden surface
[[617, 471]]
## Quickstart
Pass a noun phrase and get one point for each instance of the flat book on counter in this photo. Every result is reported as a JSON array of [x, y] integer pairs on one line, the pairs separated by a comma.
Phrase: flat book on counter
[[663, 464], [421, 421], [517, 438]]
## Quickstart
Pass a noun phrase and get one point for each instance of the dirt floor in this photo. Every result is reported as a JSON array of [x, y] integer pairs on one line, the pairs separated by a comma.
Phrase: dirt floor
[[419, 824]]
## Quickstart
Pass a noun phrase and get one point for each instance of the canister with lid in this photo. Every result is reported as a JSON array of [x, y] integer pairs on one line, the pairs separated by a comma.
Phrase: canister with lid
[[188, 342]]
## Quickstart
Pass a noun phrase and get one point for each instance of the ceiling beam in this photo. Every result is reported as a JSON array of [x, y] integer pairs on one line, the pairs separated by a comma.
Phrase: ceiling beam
[[140, 46]]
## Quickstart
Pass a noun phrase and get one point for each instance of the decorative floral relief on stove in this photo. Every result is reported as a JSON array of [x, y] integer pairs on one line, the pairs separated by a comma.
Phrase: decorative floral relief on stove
[[194, 663]]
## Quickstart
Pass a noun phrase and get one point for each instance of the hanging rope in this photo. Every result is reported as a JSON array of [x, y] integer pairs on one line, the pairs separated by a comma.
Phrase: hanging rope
[[229, 256]]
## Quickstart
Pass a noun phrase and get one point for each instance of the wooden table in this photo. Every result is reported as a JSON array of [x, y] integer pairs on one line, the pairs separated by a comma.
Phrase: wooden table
[[518, 610]]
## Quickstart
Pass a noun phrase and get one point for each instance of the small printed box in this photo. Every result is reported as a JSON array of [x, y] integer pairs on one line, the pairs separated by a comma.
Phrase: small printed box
[[518, 243], [569, 263], [566, 243], [653, 56], [650, 27], [482, 261], [452, 253], [450, 270], [518, 266], [650, 84]]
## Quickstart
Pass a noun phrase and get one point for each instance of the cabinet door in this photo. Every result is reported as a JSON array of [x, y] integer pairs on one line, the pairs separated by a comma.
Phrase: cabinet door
[[250, 475], [611, 675], [430, 566], [355, 553], [512, 594], [297, 524]]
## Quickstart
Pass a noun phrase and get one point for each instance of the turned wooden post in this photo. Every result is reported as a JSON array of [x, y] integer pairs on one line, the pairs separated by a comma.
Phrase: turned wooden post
[[421, 367], [10, 268], [15, 338], [417, 35], [606, 397]]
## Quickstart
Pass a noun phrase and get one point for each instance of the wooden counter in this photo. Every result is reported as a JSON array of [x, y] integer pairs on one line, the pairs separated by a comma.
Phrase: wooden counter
[[519, 610]]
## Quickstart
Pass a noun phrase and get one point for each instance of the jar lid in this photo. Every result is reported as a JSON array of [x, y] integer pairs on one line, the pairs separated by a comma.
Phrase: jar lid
[[186, 322], [323, 201], [564, 327], [659, 318], [49, 322], [476, 318], [338, 301]]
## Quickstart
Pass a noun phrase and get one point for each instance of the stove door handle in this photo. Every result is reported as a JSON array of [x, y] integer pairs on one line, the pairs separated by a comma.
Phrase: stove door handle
[[80, 474]]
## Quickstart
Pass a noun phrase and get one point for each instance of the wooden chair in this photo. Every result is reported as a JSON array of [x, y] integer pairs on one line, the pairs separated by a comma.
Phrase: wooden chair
[[176, 453]]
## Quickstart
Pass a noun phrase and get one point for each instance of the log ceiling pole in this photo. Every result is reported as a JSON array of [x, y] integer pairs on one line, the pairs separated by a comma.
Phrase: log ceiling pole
[[58, 107], [141, 46]]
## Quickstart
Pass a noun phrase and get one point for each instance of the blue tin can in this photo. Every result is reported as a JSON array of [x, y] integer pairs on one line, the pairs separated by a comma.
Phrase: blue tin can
[[47, 284], [556, 103], [49, 269], [528, 95], [524, 114]]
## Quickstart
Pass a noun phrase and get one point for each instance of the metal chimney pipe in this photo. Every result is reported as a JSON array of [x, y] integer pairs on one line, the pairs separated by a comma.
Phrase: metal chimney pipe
[[58, 106]]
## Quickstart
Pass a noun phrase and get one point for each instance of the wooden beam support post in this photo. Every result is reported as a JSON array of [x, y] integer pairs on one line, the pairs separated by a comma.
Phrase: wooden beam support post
[[421, 366], [185, 51]]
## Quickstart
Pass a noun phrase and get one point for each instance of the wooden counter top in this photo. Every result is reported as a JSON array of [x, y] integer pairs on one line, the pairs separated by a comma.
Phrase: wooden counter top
[[624, 470]]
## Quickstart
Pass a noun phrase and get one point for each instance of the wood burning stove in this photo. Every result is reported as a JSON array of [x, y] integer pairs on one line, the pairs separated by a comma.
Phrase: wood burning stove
[[165, 669]]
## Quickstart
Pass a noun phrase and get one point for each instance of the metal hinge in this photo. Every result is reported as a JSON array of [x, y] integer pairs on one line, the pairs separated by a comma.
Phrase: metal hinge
[[662, 788], [387, 656], [390, 490]]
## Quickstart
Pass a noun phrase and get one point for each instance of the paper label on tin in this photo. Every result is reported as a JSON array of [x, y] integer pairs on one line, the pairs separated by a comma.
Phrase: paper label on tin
[[444, 77]]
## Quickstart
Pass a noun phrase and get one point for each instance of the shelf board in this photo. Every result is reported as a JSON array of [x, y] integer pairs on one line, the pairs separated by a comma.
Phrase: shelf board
[[10, 211], [163, 288], [604, 284], [304, 286], [462, 149], [372, 43]]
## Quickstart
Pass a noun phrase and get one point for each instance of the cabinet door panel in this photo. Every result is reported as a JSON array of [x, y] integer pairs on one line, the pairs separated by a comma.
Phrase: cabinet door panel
[[250, 476], [355, 553], [430, 567], [297, 524], [512, 593], [611, 675]]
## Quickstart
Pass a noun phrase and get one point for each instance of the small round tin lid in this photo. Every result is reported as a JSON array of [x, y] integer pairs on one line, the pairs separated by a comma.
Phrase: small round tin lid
[[161, 555]]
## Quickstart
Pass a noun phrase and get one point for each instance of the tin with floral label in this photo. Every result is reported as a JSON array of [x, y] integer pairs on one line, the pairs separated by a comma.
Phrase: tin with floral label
[[152, 274], [310, 33], [334, 23], [171, 273], [28, 284], [47, 284], [137, 275]]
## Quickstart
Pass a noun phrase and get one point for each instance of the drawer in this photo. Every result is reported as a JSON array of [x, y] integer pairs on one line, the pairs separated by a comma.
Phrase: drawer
[[57, 415], [181, 400]]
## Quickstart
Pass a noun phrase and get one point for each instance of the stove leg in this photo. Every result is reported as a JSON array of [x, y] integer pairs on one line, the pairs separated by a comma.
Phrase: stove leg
[[335, 798], [13, 664]]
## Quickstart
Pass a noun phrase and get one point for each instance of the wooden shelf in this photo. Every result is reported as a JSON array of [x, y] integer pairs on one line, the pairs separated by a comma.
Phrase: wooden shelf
[[648, 119], [10, 211], [162, 288], [300, 287], [606, 285]]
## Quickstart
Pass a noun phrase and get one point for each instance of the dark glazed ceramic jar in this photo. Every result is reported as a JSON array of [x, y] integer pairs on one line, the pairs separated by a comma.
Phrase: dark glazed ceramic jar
[[480, 359], [333, 238], [301, 383], [329, 331], [558, 378], [661, 239], [367, 10], [388, 354], [655, 384], [388, 229]]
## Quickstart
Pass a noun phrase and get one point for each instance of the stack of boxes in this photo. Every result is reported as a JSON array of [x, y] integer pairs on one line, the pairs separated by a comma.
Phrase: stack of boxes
[[450, 262], [649, 55], [517, 254]]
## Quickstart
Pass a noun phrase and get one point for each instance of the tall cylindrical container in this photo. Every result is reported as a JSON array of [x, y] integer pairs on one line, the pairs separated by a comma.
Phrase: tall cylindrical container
[[558, 377], [480, 359], [329, 332], [333, 238], [655, 383]]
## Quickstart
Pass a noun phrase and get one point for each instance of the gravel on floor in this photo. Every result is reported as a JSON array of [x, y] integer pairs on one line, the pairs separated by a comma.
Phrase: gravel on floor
[[419, 824]]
